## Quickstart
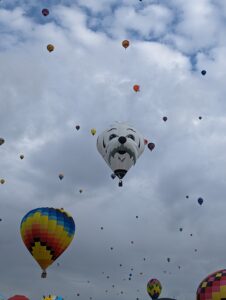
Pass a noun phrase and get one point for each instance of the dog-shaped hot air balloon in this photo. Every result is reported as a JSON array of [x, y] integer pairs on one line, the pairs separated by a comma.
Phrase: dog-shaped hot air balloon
[[120, 145]]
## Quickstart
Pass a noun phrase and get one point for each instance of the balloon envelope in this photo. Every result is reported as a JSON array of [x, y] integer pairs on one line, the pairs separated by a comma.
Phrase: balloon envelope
[[50, 47], [213, 287], [151, 146], [18, 297], [45, 12], [200, 201], [125, 44], [51, 297], [2, 141], [120, 145], [47, 232], [154, 288], [136, 88]]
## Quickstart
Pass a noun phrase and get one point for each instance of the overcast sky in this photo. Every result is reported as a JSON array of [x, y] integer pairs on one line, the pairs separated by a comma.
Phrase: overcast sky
[[88, 80]]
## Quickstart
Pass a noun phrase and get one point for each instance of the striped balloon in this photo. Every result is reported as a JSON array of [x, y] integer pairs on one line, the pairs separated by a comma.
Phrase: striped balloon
[[47, 232]]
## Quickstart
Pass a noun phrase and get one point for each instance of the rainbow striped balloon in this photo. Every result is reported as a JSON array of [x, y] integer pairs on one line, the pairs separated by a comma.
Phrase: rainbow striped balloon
[[51, 297], [47, 232]]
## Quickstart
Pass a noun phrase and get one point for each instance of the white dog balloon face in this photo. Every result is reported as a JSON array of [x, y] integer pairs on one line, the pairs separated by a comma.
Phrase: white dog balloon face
[[120, 145]]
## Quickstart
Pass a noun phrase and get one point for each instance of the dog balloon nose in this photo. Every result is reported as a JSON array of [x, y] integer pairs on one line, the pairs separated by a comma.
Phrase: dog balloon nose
[[122, 140]]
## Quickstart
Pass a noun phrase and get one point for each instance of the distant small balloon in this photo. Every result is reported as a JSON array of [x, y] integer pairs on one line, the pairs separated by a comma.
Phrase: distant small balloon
[[200, 201], [187, 196], [61, 176], [203, 72], [2, 181], [164, 119], [125, 44], [200, 118], [21, 156], [136, 88], [45, 12], [80, 191], [77, 127], [2, 141], [151, 146], [50, 47], [181, 229], [93, 131]]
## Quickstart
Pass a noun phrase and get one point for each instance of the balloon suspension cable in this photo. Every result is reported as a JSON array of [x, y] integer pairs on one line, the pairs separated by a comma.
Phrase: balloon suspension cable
[[44, 274]]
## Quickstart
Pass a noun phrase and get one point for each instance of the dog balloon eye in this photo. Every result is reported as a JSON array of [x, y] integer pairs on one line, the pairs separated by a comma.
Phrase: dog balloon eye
[[132, 137], [112, 136]]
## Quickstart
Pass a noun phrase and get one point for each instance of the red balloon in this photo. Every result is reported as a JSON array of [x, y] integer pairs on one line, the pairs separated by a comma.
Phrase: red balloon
[[18, 297], [136, 88], [151, 146]]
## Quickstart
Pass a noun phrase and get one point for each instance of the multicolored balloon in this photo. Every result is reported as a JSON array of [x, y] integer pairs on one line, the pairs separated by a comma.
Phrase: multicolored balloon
[[213, 287], [51, 297], [47, 232], [154, 288]]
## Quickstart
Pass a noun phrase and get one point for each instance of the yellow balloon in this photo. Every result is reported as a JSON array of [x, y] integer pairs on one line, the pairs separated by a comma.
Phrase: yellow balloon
[[93, 131]]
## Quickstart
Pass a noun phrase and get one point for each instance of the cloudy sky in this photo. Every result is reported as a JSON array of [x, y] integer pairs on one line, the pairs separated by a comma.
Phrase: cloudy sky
[[88, 80]]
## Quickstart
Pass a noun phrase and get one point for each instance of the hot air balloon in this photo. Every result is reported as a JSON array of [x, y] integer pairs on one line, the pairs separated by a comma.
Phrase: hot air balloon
[[2, 181], [18, 297], [77, 127], [136, 88], [151, 146], [45, 12], [51, 297], [213, 287], [50, 47], [203, 72], [120, 145], [80, 191], [47, 232], [200, 201], [200, 118], [2, 141], [125, 44], [93, 131], [21, 156], [154, 288], [168, 259], [61, 176], [181, 229], [164, 119]]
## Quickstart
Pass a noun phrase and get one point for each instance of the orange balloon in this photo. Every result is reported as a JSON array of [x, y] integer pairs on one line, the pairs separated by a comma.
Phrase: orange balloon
[[136, 88], [125, 44]]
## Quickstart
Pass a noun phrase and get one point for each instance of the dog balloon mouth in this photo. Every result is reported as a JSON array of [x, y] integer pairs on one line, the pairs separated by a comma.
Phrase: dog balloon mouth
[[121, 152]]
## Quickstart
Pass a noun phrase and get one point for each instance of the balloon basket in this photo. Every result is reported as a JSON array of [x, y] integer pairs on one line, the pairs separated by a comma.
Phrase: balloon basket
[[120, 183], [44, 274]]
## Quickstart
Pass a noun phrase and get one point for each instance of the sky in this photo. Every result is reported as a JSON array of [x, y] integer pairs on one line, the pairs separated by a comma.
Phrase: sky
[[88, 80]]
